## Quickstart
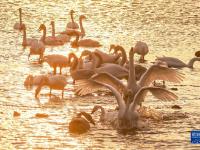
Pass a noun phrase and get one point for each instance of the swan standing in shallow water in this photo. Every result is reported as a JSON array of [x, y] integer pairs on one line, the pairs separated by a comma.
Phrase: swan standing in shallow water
[[18, 26], [176, 63], [142, 49], [55, 61], [130, 96], [72, 24], [36, 47], [80, 125], [51, 41], [57, 82]]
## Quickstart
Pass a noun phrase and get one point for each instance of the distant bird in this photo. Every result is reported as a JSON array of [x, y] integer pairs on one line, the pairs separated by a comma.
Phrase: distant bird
[[27, 41], [84, 43], [142, 49], [75, 32], [18, 26], [56, 60], [176, 63], [56, 82], [197, 53], [61, 37], [79, 125], [49, 40], [72, 24]]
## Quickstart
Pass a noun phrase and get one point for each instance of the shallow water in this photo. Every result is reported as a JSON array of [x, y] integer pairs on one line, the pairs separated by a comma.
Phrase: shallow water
[[169, 27]]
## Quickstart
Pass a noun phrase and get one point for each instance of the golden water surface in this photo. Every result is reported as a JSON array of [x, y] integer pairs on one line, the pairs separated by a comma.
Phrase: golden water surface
[[169, 27]]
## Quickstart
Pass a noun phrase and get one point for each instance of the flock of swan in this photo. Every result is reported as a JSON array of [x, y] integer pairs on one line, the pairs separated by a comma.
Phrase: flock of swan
[[97, 70]]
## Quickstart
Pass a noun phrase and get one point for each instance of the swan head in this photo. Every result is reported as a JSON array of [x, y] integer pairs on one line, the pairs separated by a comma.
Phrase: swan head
[[82, 17], [52, 23], [28, 83], [42, 27], [71, 11], [87, 116], [86, 53], [197, 53], [95, 108], [72, 60], [43, 81], [20, 10], [23, 27], [112, 47], [132, 51]]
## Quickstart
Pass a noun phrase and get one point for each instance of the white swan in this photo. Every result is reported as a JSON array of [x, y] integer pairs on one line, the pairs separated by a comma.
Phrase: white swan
[[142, 49], [57, 82], [84, 43], [79, 125], [74, 32], [61, 37], [72, 24], [176, 63], [18, 26], [50, 40], [56, 60], [130, 96]]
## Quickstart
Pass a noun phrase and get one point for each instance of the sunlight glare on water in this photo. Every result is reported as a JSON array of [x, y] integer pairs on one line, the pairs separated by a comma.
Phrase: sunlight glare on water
[[169, 27]]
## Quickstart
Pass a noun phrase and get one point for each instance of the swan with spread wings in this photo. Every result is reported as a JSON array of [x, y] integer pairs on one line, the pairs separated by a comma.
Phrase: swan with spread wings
[[130, 96]]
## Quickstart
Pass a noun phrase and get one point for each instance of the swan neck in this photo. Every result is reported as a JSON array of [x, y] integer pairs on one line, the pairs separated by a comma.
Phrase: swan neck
[[102, 113], [192, 61], [131, 79], [74, 63], [20, 17], [53, 30], [24, 36], [94, 61], [124, 57], [44, 35], [81, 26], [72, 18], [99, 61]]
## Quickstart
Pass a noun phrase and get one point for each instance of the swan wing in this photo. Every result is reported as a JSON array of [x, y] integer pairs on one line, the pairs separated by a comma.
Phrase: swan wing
[[93, 84], [120, 101], [157, 72], [159, 93]]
